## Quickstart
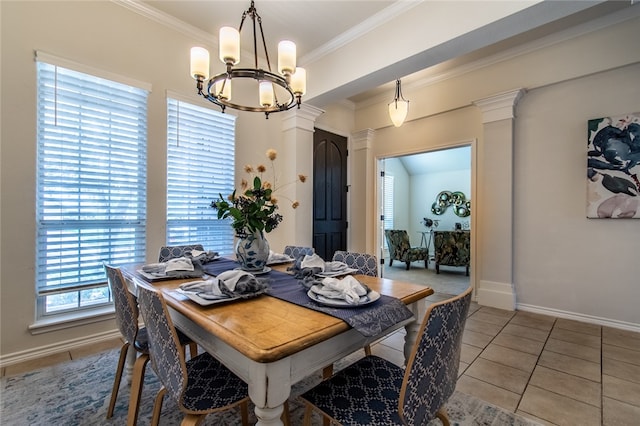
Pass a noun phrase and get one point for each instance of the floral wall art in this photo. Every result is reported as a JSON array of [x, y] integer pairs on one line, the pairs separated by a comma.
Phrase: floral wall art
[[613, 166]]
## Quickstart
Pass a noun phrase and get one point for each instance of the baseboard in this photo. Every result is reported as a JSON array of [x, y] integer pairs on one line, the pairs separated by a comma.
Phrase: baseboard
[[58, 347], [607, 322], [496, 295]]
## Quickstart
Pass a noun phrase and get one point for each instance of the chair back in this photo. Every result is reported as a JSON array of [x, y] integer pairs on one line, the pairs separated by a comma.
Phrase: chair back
[[173, 252], [297, 251], [432, 370], [366, 264], [125, 304], [166, 356]]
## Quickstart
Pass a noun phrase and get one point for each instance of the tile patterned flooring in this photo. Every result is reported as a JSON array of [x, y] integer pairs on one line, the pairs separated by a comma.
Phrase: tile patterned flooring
[[552, 370]]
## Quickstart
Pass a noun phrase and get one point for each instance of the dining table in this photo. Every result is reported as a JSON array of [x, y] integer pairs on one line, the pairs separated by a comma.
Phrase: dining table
[[272, 343]]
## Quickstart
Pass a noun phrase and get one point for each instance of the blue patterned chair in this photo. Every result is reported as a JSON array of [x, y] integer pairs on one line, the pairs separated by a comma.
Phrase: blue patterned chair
[[297, 251], [126, 307], [374, 391], [400, 248], [173, 252], [194, 384], [366, 264], [452, 248]]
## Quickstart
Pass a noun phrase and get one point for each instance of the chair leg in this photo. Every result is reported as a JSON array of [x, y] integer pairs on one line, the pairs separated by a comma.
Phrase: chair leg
[[442, 415], [367, 350], [157, 406], [117, 379], [192, 419], [308, 410], [437, 268], [244, 412], [390, 262], [408, 265], [327, 372], [136, 389], [193, 349], [467, 270], [286, 418]]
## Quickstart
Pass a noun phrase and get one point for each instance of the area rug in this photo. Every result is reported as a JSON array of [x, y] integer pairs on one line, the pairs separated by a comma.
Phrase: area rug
[[78, 392]]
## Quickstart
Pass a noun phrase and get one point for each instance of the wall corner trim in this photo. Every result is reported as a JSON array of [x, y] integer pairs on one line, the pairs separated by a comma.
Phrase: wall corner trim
[[499, 107], [496, 295]]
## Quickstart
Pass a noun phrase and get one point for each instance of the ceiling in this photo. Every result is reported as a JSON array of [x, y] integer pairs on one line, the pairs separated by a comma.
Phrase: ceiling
[[319, 27], [445, 160]]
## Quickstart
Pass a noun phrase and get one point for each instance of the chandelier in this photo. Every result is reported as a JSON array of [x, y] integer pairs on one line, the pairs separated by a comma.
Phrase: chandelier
[[275, 91], [398, 107]]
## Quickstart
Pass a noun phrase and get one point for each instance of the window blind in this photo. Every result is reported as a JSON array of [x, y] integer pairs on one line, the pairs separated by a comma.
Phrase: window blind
[[91, 181], [388, 201], [200, 165]]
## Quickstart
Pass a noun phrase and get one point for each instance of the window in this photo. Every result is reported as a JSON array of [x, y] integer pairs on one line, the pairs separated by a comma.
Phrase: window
[[388, 201], [200, 165], [91, 184]]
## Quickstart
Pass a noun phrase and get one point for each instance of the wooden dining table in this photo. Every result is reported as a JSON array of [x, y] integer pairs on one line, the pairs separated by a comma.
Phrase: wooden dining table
[[271, 343]]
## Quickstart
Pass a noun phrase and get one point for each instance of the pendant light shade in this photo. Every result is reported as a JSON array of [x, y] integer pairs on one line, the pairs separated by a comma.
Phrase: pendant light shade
[[398, 107]]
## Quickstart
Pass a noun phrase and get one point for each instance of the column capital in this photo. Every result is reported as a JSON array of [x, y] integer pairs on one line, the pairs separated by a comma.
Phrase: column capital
[[303, 118], [499, 107], [362, 139]]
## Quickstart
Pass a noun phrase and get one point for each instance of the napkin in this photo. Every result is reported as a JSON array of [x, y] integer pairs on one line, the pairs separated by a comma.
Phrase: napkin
[[347, 289], [312, 261], [181, 267], [277, 257], [335, 266], [204, 256], [228, 284]]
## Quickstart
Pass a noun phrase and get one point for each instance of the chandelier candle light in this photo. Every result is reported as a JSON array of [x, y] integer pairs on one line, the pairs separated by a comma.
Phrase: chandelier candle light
[[398, 107], [290, 81]]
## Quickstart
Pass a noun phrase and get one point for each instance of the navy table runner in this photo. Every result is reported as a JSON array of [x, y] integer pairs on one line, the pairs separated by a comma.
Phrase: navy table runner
[[369, 320]]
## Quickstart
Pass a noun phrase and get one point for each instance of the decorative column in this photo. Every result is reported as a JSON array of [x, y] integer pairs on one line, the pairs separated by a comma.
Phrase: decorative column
[[362, 194], [494, 202], [297, 133]]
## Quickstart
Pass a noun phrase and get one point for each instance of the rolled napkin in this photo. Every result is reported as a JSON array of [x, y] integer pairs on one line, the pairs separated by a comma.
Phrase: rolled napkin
[[228, 284], [210, 289], [204, 256], [180, 267], [178, 264], [347, 289], [312, 261], [335, 266], [278, 257]]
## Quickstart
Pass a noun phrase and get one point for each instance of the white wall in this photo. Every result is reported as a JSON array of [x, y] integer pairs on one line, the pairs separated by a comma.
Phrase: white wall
[[424, 191]]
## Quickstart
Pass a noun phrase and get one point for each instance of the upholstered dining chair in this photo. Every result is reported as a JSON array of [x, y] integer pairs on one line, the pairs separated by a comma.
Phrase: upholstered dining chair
[[126, 307], [366, 264], [173, 252], [374, 391], [400, 248], [201, 385], [297, 251]]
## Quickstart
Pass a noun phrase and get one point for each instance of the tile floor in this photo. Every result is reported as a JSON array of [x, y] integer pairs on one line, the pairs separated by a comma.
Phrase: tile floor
[[552, 370]]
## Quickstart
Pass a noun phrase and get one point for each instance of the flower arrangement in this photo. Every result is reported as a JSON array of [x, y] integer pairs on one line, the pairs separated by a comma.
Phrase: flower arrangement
[[256, 208]]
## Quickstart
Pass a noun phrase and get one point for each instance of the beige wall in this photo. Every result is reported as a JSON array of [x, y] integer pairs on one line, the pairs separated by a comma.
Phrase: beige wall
[[108, 37], [562, 262]]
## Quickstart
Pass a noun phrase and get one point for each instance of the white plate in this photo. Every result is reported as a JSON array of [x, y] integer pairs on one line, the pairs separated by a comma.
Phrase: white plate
[[161, 277], [280, 261], [331, 274], [265, 270], [205, 302], [372, 296]]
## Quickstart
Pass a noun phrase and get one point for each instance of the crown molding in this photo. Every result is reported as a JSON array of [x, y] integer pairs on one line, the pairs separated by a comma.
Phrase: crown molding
[[507, 54], [366, 26]]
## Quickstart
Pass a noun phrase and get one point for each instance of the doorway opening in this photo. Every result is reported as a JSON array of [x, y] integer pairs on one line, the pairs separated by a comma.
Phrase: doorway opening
[[423, 193]]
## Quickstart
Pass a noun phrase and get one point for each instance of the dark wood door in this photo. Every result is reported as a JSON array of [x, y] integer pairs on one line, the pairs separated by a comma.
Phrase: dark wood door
[[329, 193]]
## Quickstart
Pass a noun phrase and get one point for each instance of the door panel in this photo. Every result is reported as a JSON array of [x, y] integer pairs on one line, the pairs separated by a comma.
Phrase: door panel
[[329, 193]]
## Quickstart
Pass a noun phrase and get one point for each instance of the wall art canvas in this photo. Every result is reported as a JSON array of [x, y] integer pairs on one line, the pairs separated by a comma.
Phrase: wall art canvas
[[613, 167]]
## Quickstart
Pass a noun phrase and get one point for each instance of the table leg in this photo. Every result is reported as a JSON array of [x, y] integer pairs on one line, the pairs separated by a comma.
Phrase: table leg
[[269, 388]]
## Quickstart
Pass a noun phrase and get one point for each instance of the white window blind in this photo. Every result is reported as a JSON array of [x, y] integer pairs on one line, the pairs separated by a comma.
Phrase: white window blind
[[200, 165], [388, 202], [91, 185]]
